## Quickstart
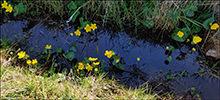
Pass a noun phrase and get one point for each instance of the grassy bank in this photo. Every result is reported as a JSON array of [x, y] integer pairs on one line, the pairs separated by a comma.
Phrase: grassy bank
[[20, 82]]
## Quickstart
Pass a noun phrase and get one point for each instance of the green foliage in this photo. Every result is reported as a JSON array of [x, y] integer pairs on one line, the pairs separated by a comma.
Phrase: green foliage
[[171, 48], [207, 22], [193, 90], [169, 58], [20, 8], [170, 76], [70, 55]]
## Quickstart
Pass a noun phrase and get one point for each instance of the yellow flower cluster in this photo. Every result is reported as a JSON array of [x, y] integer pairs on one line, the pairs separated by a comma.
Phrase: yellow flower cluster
[[8, 8], [196, 39], [34, 61], [87, 28], [109, 54], [89, 67], [180, 34]]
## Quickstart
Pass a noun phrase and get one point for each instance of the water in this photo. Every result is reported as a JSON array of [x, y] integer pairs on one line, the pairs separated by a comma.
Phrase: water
[[151, 51]]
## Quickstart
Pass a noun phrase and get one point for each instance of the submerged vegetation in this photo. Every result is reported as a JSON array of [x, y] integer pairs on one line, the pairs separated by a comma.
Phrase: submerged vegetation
[[38, 78]]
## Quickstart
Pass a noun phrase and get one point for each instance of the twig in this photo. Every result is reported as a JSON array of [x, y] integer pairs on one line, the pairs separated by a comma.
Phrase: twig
[[75, 13], [205, 39]]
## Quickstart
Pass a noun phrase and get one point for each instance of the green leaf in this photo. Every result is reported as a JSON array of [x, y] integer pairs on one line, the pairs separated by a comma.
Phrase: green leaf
[[75, 16], [81, 21], [180, 39], [171, 48], [72, 5], [44, 51], [207, 22], [149, 24], [87, 60], [120, 66], [59, 50], [170, 76], [169, 58], [115, 57], [20, 8], [70, 55], [73, 49], [193, 90], [193, 8], [189, 13], [114, 62]]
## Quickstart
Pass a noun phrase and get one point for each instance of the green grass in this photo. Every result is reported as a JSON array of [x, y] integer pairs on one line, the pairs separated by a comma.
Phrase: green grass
[[151, 14], [21, 83]]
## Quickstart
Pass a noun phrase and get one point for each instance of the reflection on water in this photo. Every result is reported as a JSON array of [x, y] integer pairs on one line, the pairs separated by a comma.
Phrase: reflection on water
[[147, 46]]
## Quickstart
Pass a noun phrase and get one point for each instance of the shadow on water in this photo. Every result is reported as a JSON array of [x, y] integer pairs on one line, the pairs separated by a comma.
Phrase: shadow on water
[[147, 45]]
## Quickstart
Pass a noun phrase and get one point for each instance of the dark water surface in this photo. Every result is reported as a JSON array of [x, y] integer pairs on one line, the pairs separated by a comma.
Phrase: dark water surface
[[129, 47]]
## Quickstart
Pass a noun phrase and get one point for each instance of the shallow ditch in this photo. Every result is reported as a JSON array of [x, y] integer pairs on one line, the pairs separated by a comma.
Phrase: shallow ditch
[[152, 67]]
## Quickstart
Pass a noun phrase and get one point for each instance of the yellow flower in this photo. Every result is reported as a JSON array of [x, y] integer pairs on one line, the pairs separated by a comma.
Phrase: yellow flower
[[109, 53], [9, 8], [92, 59], [21, 55], [180, 34], [28, 62], [96, 63], [167, 47], [88, 67], [4, 5], [93, 27], [196, 39], [87, 28], [187, 40], [215, 26], [117, 60], [194, 49], [77, 32], [81, 66], [34, 61], [138, 59], [71, 34], [96, 69], [48, 47]]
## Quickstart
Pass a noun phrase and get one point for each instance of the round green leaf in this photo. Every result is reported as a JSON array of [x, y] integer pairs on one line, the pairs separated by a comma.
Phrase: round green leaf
[[72, 5], [70, 55], [207, 22], [59, 50]]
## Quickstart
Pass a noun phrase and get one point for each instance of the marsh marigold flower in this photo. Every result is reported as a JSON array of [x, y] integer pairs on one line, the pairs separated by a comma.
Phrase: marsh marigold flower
[[92, 59], [34, 61], [194, 49], [93, 26], [187, 40], [48, 47], [96, 69], [138, 59], [87, 28], [89, 67], [109, 53], [71, 34], [21, 55], [77, 32], [196, 39], [9, 8], [81, 66], [4, 5], [117, 60], [96, 63], [214, 26], [180, 34], [28, 62], [167, 47]]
